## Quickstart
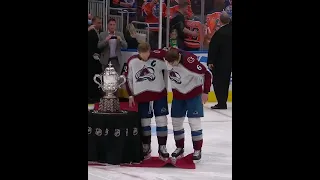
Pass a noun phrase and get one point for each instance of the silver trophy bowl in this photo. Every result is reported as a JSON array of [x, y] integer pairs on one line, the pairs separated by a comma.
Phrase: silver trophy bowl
[[110, 82]]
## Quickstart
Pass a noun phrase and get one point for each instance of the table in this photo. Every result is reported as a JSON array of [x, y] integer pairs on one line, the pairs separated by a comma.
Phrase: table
[[114, 138]]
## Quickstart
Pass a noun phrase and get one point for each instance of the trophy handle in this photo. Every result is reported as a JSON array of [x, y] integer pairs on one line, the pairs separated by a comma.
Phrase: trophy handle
[[123, 80], [95, 79]]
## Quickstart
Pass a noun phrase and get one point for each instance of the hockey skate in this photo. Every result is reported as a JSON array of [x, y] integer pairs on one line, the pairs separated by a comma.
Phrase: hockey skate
[[196, 156], [163, 154], [146, 151], [177, 154]]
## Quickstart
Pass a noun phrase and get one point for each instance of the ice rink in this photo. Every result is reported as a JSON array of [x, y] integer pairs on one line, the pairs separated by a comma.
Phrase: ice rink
[[216, 162]]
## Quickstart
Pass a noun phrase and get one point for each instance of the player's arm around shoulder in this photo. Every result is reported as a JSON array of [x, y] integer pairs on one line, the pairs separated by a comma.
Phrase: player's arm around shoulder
[[158, 54]]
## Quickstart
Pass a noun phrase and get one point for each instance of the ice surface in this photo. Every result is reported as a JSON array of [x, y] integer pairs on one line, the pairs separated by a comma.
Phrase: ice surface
[[216, 162]]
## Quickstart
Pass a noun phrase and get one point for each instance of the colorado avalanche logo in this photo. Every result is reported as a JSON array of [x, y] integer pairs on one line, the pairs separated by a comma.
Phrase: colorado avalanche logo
[[146, 73], [175, 76]]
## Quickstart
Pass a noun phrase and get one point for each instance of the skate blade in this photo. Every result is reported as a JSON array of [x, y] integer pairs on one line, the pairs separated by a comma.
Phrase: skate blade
[[147, 157], [163, 158], [174, 159], [196, 161]]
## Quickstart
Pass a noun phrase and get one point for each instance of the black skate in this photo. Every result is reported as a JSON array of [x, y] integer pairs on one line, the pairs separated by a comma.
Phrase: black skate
[[196, 156], [177, 154], [163, 154], [146, 151]]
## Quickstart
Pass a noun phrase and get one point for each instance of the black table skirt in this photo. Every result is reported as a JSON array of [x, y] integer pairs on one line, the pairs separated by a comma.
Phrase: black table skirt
[[114, 138]]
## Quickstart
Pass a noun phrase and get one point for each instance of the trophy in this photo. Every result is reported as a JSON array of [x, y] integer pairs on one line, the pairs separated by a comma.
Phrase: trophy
[[110, 83]]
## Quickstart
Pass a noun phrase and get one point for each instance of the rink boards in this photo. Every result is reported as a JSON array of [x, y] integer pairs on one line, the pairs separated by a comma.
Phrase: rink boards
[[202, 57]]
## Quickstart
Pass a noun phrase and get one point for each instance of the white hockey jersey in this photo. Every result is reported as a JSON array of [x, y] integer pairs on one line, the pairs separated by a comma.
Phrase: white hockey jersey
[[147, 80], [189, 78]]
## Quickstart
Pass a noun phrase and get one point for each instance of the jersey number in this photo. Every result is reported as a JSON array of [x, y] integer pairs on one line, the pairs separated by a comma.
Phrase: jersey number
[[199, 67]]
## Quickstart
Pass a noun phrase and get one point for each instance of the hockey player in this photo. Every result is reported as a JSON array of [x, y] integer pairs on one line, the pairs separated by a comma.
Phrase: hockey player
[[190, 82], [174, 7], [147, 80]]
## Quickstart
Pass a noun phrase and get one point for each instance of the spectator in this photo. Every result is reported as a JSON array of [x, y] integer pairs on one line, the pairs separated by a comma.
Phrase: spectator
[[114, 3], [193, 43], [140, 14], [127, 3], [122, 3], [110, 44], [89, 19], [151, 9], [178, 23], [219, 5], [94, 66], [213, 23], [229, 7], [131, 37], [174, 7], [220, 61], [173, 39], [124, 8], [130, 6]]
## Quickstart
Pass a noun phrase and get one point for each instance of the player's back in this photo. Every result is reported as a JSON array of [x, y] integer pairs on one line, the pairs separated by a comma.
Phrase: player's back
[[187, 78]]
